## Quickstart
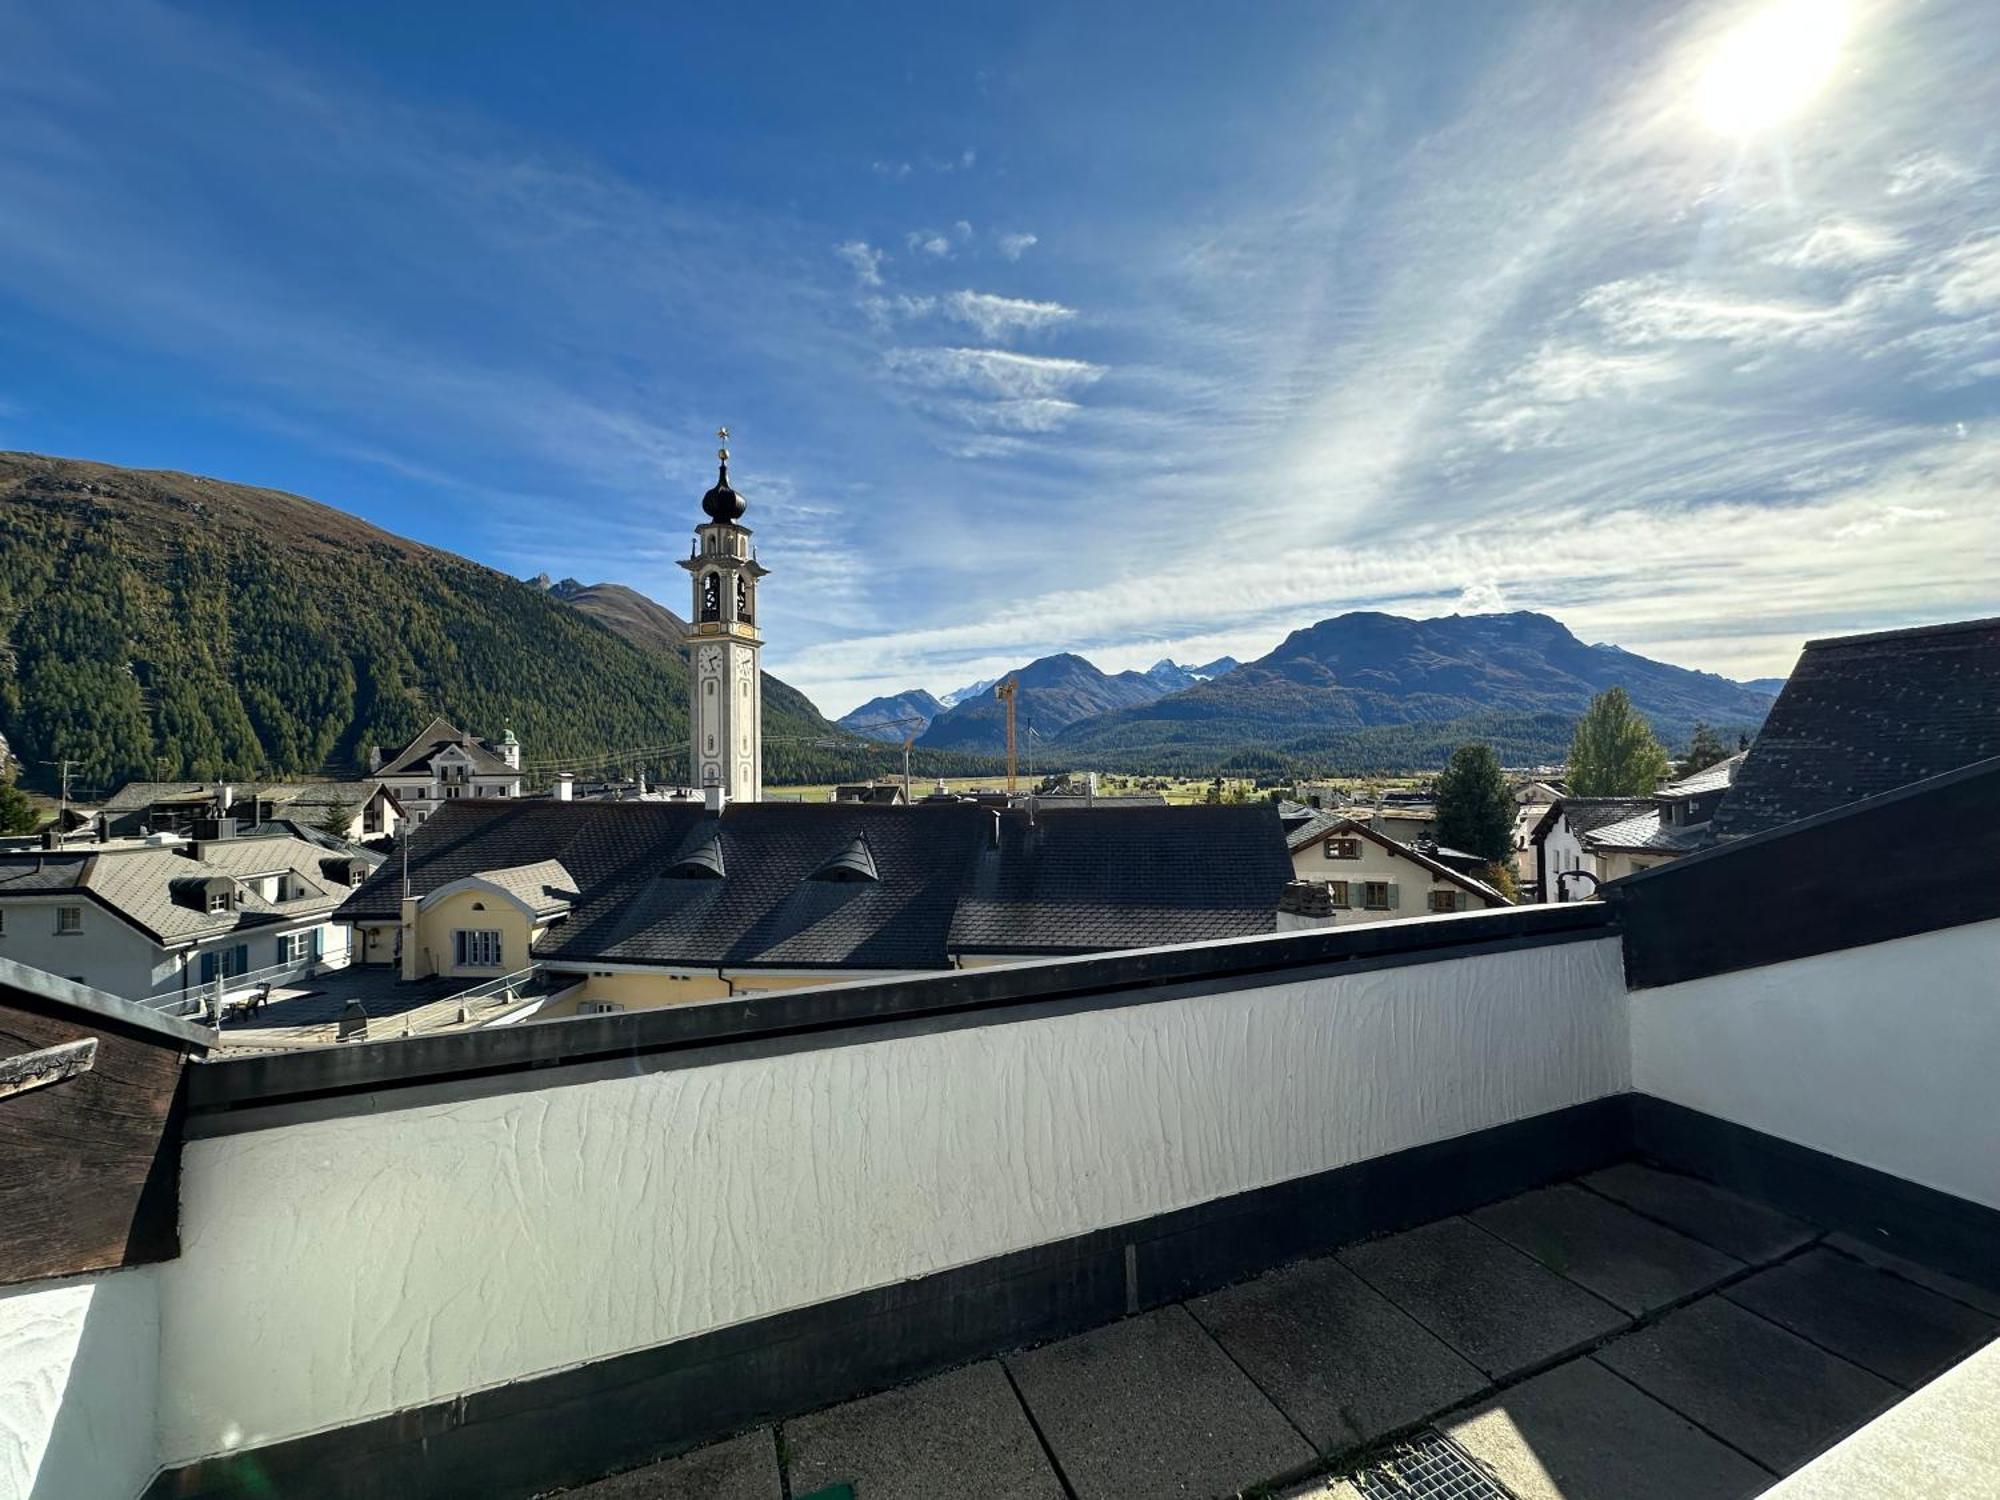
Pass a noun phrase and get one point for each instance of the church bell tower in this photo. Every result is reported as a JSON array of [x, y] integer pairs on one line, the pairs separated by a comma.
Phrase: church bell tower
[[726, 706]]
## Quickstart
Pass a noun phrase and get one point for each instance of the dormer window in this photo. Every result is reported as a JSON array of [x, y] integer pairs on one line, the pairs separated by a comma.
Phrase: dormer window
[[218, 902], [853, 864]]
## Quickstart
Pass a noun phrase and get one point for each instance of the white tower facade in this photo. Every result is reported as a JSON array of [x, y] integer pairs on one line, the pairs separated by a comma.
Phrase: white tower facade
[[725, 683]]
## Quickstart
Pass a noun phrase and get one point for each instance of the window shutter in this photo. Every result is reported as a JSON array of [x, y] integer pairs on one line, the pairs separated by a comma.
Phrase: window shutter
[[208, 968], [458, 947], [319, 942], [243, 958], [1460, 900], [1393, 895]]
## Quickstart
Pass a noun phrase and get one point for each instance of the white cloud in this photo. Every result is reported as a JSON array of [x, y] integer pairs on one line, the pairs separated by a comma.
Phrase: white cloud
[[928, 242], [996, 317], [1927, 172], [1886, 518], [993, 372], [1014, 246], [1969, 278], [864, 259], [1481, 597], [895, 171], [1838, 245]]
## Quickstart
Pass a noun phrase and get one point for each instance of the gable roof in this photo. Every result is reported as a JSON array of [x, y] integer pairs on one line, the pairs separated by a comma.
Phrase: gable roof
[[146, 886], [439, 734], [1865, 714], [1646, 834], [1343, 825], [1587, 814], [1715, 778]]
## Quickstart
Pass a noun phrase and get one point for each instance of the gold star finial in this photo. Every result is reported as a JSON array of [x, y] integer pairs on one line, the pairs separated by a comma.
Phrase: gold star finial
[[722, 436]]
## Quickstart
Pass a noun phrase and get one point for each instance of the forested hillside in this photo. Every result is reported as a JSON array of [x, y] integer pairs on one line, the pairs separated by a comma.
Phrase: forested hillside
[[163, 625]]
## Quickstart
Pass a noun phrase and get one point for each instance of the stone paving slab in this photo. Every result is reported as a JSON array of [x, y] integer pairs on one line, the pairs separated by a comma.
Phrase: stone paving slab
[[962, 1433], [1631, 1262], [1499, 1308], [1986, 1299], [1897, 1329], [1754, 1385], [1151, 1407], [1344, 1363], [1578, 1432], [739, 1468], [1739, 1226]]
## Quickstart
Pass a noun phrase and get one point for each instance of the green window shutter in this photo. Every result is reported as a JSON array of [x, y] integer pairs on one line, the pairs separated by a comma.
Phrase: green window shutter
[[208, 968], [1394, 895], [319, 942]]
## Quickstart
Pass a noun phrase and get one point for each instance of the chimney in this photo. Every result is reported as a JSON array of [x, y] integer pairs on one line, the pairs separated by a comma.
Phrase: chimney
[[712, 797], [227, 796], [374, 759], [52, 838], [1375, 822], [565, 785]]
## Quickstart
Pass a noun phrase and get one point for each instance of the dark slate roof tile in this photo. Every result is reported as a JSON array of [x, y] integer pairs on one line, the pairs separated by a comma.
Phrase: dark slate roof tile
[[1867, 714]]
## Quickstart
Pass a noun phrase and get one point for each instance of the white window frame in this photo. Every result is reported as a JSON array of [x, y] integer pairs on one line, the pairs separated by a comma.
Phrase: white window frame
[[69, 921], [478, 948], [218, 902]]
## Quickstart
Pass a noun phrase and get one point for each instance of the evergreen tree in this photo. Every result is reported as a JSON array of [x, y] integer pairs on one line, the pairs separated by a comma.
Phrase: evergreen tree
[[17, 813], [1705, 750], [1613, 752], [1475, 811]]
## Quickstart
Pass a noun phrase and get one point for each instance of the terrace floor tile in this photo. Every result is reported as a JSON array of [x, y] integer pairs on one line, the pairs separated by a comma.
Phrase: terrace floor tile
[[1150, 1407], [962, 1433], [1757, 1387], [738, 1468], [1343, 1361], [1578, 1432], [1632, 1262], [1985, 1298], [1882, 1323], [1738, 1226], [1499, 1308]]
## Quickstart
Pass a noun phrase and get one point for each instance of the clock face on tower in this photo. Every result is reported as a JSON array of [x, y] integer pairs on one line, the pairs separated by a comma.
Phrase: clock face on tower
[[710, 660]]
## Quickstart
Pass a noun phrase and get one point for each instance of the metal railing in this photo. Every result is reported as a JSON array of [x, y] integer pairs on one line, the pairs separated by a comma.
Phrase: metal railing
[[212, 998]]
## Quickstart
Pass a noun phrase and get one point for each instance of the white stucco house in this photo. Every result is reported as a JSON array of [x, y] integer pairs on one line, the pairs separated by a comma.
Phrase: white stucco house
[[159, 920], [1352, 873], [444, 764]]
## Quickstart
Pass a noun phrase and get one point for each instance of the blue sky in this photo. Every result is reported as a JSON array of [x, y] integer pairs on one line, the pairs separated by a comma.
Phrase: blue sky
[[1136, 330]]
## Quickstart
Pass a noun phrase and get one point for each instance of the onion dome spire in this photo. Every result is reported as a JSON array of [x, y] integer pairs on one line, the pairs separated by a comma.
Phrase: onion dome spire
[[722, 503]]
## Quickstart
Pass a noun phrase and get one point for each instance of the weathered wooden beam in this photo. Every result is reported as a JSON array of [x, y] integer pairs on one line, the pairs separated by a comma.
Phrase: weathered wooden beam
[[34, 1070]]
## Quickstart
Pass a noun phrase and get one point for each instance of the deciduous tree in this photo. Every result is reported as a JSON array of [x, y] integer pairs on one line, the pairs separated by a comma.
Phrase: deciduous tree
[[1613, 752]]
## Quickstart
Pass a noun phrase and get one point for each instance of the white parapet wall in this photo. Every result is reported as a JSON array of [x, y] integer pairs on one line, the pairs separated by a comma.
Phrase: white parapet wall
[[1883, 1055], [78, 1370], [346, 1268]]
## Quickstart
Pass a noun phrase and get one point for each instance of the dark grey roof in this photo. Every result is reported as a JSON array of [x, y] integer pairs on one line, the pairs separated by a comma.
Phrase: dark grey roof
[[1644, 833], [1866, 714], [947, 877], [1588, 814], [151, 887], [1316, 825], [1100, 878], [438, 734]]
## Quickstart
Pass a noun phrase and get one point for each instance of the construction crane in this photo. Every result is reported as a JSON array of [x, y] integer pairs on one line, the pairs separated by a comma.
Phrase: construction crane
[[1005, 692]]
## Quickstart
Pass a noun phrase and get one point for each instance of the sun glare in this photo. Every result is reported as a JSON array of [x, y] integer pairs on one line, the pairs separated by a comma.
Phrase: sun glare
[[1772, 64]]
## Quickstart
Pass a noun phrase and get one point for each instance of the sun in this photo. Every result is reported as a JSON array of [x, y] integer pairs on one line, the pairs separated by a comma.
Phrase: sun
[[1771, 65]]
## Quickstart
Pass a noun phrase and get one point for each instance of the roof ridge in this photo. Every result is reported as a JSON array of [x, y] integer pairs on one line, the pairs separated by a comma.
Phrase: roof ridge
[[1947, 627]]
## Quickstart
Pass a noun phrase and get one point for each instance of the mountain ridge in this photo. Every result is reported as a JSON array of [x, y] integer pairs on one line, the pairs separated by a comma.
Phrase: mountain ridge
[[1366, 672], [161, 624]]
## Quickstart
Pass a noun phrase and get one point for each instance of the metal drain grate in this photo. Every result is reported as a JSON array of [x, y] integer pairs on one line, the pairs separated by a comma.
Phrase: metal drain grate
[[1428, 1467]]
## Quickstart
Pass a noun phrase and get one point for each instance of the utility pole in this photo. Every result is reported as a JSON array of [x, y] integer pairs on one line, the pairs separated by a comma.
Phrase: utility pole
[[62, 815]]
